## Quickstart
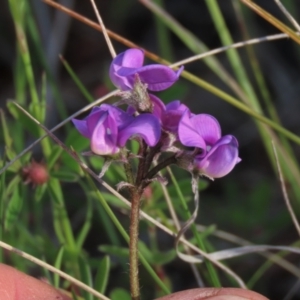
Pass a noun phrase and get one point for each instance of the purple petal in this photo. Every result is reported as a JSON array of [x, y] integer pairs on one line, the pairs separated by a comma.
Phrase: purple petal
[[158, 77], [176, 105], [130, 110], [119, 81], [104, 137], [81, 126], [146, 126], [188, 134], [158, 106], [207, 127], [221, 159], [93, 119], [172, 115], [124, 67], [121, 117], [131, 60]]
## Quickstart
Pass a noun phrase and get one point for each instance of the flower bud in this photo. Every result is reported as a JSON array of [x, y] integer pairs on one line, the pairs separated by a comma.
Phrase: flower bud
[[35, 173]]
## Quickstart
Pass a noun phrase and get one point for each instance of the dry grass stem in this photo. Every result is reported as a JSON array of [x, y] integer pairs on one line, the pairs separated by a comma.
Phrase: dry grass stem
[[288, 15], [225, 48], [284, 192], [106, 36]]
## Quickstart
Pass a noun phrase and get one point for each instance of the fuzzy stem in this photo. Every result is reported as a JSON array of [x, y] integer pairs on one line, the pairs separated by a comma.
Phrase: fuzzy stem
[[133, 245], [141, 167]]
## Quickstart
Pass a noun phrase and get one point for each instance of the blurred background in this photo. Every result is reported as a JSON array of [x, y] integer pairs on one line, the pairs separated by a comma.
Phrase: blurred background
[[248, 202]]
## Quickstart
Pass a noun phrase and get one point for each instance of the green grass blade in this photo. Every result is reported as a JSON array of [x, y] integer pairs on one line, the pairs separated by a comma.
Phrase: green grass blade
[[163, 35], [77, 81], [18, 10], [102, 274], [86, 225], [232, 54], [13, 209], [86, 277], [57, 264]]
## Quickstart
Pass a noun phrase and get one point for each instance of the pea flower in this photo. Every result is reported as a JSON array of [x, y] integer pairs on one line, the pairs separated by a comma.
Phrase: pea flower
[[126, 65], [169, 114], [109, 128], [217, 155]]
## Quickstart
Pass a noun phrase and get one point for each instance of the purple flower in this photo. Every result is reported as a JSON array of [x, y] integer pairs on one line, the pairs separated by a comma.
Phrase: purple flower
[[124, 67], [220, 159], [169, 114], [218, 155], [109, 128]]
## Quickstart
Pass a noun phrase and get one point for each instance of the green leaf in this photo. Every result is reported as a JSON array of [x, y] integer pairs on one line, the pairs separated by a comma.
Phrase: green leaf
[[69, 162], [43, 99], [86, 277], [55, 191], [27, 123], [13, 184], [11, 154], [114, 250], [57, 264], [56, 152], [39, 192], [86, 226], [77, 141], [118, 294], [110, 198], [77, 81], [102, 274], [65, 175], [156, 257], [7, 136], [13, 209]]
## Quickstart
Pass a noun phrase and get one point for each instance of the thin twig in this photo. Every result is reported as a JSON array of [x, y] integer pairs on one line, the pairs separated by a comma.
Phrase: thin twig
[[53, 269], [284, 192], [287, 14], [267, 38], [106, 36], [272, 20]]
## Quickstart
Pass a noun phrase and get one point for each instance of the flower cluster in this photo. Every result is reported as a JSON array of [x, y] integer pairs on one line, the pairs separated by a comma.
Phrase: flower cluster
[[195, 140]]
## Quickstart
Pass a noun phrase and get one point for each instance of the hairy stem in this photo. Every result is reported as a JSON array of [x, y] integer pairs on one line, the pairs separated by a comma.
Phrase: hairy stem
[[133, 245], [141, 167]]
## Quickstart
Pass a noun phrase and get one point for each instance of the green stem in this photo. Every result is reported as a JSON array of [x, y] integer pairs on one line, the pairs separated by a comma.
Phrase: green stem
[[165, 163]]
